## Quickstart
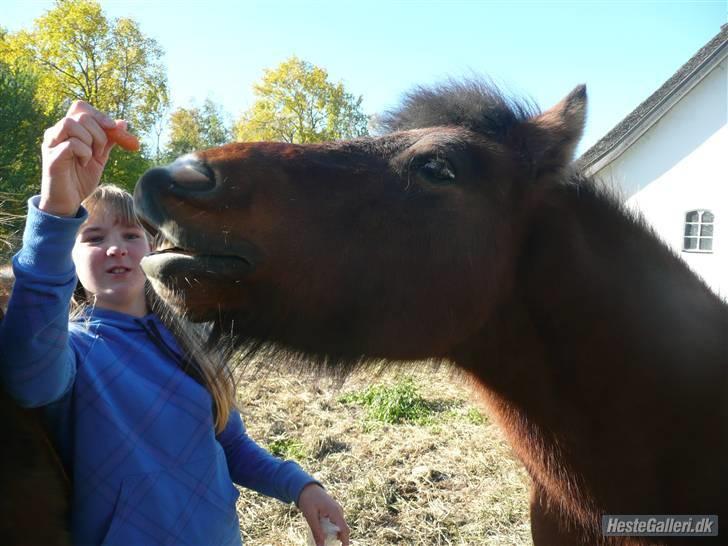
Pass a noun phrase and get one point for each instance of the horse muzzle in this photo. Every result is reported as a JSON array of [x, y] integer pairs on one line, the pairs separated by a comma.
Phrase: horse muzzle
[[189, 248]]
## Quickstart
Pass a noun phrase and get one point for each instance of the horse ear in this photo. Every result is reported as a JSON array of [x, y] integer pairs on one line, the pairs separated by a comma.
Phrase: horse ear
[[548, 140]]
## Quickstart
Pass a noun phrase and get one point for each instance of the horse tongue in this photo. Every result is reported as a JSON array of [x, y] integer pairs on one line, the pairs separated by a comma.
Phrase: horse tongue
[[171, 250]]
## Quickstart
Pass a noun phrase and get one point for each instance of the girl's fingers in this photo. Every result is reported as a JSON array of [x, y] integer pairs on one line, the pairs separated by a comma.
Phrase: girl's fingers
[[70, 149], [312, 518], [107, 150], [84, 127], [344, 531], [100, 139], [83, 122], [81, 107], [65, 129], [337, 518]]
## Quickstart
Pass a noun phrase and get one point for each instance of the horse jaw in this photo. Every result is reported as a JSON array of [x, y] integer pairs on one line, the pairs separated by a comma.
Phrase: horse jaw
[[192, 282]]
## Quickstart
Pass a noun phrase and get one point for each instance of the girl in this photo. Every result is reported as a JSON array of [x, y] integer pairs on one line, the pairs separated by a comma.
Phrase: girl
[[149, 435]]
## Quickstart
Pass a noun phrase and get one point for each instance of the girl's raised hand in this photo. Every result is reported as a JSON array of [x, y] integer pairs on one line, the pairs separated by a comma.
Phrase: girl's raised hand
[[74, 152]]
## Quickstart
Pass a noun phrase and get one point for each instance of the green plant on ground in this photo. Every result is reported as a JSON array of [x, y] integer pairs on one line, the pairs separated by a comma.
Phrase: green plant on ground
[[392, 404], [287, 448], [475, 416]]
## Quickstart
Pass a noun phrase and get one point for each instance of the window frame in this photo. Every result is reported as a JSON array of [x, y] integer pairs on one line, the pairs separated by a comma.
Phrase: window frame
[[699, 236]]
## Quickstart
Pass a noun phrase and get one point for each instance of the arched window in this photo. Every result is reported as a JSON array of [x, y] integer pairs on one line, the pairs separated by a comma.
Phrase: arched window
[[698, 231]]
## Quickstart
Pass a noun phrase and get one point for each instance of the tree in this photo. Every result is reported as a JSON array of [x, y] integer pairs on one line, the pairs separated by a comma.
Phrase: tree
[[21, 126], [75, 52], [297, 103], [20, 119], [215, 128], [156, 120], [80, 54], [197, 128]]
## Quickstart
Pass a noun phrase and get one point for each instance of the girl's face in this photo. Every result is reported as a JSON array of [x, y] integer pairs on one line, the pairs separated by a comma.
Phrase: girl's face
[[107, 255]]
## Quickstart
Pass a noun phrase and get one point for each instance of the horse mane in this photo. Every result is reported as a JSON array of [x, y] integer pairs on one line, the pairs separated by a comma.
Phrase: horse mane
[[256, 357], [477, 104]]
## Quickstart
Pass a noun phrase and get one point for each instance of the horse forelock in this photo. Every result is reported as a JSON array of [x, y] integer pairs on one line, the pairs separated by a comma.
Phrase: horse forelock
[[476, 104]]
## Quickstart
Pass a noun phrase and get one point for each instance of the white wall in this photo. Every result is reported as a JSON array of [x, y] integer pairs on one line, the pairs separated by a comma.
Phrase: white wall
[[681, 164]]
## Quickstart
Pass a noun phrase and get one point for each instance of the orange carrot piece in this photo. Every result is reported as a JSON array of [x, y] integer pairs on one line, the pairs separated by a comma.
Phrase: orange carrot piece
[[123, 138]]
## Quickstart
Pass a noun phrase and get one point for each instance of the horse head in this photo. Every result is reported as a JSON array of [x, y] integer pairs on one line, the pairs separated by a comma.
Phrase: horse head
[[397, 246]]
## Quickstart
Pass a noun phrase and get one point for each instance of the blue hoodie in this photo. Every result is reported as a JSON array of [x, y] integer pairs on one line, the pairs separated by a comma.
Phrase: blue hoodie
[[133, 430]]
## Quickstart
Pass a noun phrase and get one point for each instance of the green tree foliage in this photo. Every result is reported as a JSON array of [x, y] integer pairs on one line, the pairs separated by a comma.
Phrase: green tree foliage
[[297, 103], [75, 52], [21, 116], [194, 128], [215, 127]]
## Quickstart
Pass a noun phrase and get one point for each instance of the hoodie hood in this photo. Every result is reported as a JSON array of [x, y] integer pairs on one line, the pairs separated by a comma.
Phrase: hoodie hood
[[95, 316]]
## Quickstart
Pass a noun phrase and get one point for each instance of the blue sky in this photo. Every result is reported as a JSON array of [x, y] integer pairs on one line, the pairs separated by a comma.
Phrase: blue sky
[[622, 50]]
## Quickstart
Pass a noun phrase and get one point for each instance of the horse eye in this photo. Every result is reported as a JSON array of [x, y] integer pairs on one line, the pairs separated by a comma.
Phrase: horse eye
[[437, 170]]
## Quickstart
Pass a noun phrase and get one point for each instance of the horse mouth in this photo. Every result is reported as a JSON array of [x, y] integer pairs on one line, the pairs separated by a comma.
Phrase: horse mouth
[[172, 250], [172, 265], [189, 257]]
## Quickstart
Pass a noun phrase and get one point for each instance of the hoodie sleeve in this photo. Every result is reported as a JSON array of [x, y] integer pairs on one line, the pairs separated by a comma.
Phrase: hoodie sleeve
[[253, 467], [37, 364]]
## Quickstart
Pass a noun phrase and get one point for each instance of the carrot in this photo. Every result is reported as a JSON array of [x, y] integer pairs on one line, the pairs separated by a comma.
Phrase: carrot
[[123, 138]]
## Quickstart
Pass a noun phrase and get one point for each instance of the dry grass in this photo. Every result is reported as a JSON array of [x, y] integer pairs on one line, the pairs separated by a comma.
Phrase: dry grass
[[451, 480]]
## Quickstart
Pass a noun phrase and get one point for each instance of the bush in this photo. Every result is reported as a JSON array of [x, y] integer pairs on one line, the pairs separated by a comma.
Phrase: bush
[[392, 404]]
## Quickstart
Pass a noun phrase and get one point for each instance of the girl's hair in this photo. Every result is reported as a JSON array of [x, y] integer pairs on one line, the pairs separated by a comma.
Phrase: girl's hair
[[208, 367]]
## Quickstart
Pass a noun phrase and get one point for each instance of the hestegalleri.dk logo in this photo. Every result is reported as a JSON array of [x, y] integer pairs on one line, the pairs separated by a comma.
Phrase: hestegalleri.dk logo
[[660, 525]]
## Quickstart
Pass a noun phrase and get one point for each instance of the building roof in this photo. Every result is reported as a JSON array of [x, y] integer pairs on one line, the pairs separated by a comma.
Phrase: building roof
[[654, 107]]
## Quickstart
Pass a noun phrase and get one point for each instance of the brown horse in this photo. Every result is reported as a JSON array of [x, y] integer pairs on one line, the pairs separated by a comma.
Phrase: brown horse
[[464, 234], [34, 489]]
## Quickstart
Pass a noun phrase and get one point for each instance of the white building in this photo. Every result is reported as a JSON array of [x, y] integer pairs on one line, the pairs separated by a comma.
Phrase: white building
[[669, 159]]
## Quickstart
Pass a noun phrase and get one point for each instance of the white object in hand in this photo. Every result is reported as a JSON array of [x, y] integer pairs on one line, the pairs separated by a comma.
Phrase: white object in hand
[[330, 533]]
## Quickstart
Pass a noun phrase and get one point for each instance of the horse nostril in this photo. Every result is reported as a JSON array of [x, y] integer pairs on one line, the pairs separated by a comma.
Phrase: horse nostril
[[191, 174]]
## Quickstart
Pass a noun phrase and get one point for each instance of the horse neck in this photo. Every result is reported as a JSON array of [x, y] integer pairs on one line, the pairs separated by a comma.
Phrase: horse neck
[[607, 341]]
